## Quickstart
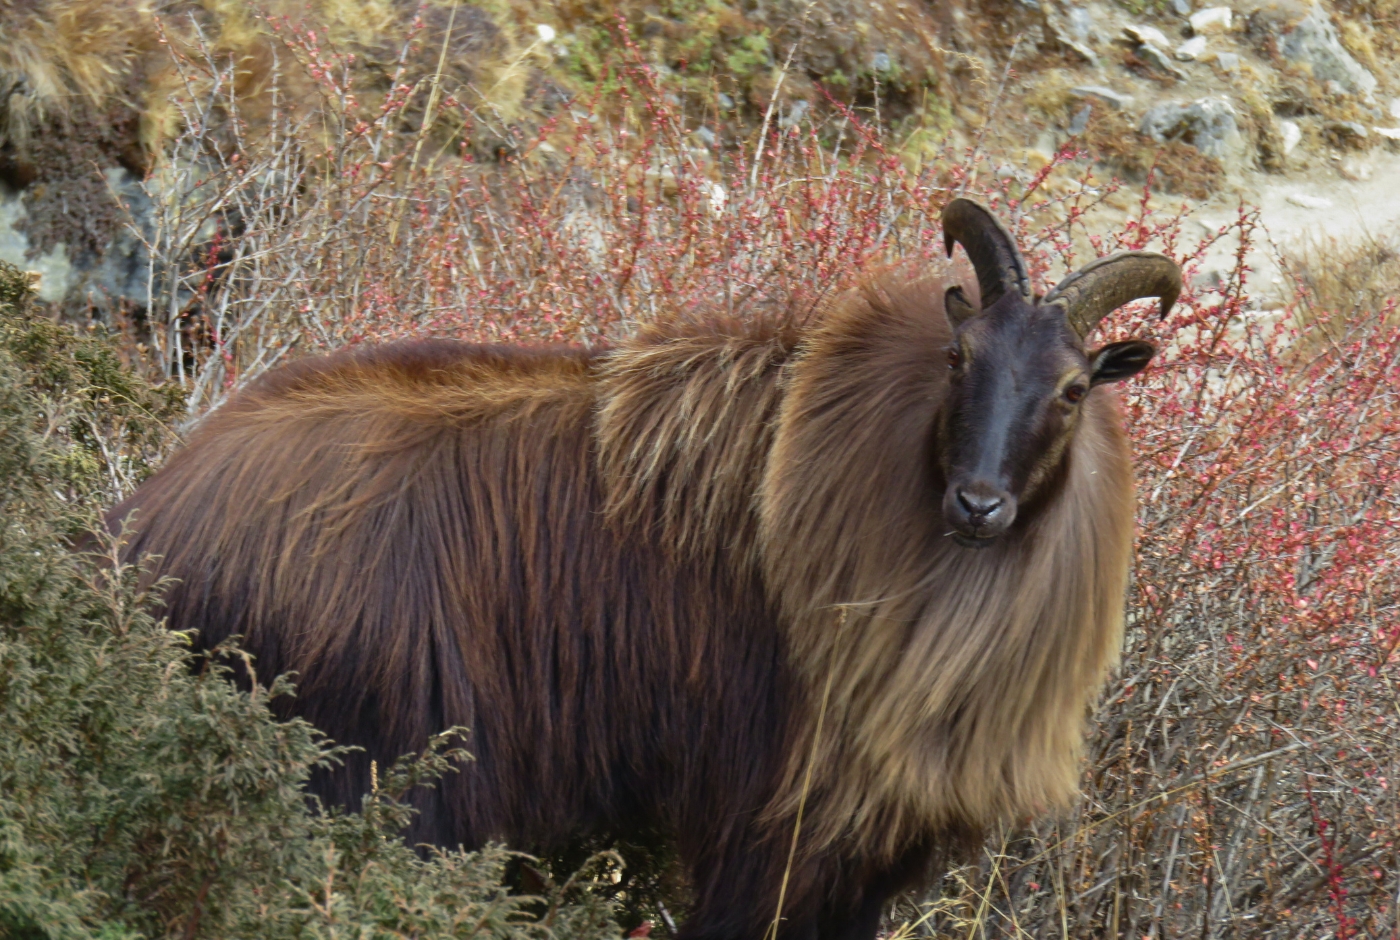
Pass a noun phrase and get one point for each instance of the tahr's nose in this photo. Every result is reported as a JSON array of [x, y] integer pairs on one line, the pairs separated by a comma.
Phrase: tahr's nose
[[980, 507], [978, 511]]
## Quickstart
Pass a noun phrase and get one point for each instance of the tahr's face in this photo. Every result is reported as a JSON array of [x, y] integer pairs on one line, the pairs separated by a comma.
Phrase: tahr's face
[[1018, 381]]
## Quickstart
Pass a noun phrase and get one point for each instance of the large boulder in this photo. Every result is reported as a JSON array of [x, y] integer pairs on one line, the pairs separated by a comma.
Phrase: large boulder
[[120, 277], [54, 270], [1209, 124], [1313, 41], [115, 277]]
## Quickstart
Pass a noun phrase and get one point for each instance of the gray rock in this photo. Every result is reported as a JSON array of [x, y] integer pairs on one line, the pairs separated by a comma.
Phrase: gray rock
[[1158, 61], [1212, 20], [1210, 125], [55, 270], [795, 114], [1080, 24], [1081, 120], [1192, 49], [1071, 36], [1309, 201], [121, 276], [1143, 35], [1114, 99], [1227, 61], [1181, 7], [880, 62], [1291, 133], [1313, 42], [1083, 51], [1210, 279]]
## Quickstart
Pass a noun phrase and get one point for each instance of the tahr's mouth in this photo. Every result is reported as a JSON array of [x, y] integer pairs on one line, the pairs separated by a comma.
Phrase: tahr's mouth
[[975, 541], [977, 512]]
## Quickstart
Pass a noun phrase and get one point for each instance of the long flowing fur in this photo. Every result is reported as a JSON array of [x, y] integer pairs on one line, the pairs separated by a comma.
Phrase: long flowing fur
[[631, 573], [961, 676]]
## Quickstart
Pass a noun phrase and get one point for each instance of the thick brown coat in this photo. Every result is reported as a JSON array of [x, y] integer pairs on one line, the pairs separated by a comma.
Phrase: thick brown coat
[[636, 573]]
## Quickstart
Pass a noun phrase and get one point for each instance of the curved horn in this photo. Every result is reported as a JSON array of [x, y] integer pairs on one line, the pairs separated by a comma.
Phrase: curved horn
[[990, 246], [1105, 284]]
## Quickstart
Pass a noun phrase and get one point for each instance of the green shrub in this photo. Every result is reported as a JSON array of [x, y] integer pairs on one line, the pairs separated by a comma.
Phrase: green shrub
[[141, 794]]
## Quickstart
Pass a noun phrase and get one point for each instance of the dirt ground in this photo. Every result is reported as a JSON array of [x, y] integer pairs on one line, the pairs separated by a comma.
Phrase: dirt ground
[[1305, 205]]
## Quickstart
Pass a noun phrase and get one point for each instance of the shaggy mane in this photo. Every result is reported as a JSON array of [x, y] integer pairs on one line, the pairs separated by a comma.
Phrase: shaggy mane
[[960, 678]]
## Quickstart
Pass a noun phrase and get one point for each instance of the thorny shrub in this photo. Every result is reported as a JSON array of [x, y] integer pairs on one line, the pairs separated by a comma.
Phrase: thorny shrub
[[1240, 774], [1241, 771]]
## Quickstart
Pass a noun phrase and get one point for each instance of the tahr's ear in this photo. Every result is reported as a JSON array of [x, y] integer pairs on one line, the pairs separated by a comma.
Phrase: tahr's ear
[[957, 306], [1118, 361]]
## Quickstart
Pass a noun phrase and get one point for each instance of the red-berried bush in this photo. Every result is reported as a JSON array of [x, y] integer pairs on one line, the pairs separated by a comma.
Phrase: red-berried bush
[[1238, 780]]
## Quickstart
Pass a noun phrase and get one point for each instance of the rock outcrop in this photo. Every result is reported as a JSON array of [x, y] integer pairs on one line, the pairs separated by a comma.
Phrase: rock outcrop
[[1313, 42], [1210, 125]]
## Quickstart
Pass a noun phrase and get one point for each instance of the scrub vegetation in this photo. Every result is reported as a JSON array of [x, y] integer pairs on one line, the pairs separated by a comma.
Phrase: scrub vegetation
[[1241, 771]]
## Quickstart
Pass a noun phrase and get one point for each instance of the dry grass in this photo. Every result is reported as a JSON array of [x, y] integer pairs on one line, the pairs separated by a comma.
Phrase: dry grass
[[1344, 285], [57, 53], [62, 59], [1176, 167], [1112, 140], [1369, 27]]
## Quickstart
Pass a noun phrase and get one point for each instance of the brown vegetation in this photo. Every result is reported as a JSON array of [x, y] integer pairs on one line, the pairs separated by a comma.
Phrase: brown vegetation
[[1344, 285]]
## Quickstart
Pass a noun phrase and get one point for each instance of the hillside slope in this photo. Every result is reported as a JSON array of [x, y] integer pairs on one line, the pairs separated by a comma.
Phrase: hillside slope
[[1256, 100]]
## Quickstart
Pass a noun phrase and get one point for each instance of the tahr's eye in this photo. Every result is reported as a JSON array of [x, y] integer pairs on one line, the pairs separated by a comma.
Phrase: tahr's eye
[[1075, 393], [954, 358]]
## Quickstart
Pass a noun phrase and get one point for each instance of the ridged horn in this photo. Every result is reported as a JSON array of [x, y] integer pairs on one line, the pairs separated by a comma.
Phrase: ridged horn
[[993, 251], [1105, 284]]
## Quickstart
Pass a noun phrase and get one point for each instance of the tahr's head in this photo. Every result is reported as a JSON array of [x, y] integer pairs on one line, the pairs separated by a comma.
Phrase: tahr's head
[[1020, 374]]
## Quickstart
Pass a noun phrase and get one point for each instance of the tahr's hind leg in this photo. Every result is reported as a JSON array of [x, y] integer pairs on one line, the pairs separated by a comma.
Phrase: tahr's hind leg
[[736, 893], [858, 900], [825, 898]]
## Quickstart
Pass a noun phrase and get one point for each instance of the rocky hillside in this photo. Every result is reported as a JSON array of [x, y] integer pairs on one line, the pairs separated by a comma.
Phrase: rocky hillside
[[1270, 100]]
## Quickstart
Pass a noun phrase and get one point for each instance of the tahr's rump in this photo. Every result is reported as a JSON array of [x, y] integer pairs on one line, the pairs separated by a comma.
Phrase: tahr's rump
[[644, 575]]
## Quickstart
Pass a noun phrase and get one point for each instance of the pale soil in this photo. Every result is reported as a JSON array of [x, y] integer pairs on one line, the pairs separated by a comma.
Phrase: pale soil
[[1357, 209]]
